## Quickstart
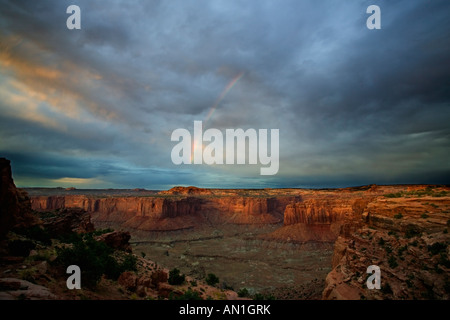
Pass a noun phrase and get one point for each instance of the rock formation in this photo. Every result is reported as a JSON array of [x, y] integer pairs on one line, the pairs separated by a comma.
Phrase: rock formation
[[163, 212], [407, 237], [15, 204]]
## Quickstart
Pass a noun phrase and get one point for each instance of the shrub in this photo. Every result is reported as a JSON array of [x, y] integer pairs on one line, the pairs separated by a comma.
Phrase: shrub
[[386, 289], [402, 249], [424, 215], [381, 242], [437, 247], [398, 216], [188, 295], [212, 279], [414, 243], [94, 259], [175, 278], [243, 293], [91, 256], [392, 262], [259, 296], [193, 283], [129, 263], [411, 232], [393, 195], [36, 233]]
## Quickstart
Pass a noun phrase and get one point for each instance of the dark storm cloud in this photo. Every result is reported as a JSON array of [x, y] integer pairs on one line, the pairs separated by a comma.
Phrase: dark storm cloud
[[353, 105]]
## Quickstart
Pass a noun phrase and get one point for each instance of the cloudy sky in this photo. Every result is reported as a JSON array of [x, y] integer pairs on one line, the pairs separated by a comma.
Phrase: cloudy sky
[[96, 107]]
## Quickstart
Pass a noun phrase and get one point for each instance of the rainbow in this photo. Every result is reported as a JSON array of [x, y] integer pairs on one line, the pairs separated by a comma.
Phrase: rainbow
[[222, 95]]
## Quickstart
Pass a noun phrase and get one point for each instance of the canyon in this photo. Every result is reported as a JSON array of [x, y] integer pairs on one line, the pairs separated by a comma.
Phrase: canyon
[[291, 243]]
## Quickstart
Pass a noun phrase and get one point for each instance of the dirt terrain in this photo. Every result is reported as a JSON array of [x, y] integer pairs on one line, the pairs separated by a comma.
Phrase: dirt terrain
[[281, 242]]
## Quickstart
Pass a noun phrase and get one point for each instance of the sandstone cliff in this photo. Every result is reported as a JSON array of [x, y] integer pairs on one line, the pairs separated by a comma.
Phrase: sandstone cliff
[[407, 237], [164, 212], [15, 204], [320, 217]]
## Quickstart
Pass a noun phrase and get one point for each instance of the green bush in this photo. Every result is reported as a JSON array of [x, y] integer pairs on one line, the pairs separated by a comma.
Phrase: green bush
[[94, 259], [393, 195], [381, 242], [175, 278], [91, 256], [212, 279], [36, 233], [259, 296], [188, 295], [424, 215], [398, 216], [243, 293]]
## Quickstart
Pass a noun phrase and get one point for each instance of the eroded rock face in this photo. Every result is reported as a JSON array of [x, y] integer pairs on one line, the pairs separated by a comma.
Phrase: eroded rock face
[[69, 220], [407, 237], [13, 289], [172, 213], [117, 240], [14, 204]]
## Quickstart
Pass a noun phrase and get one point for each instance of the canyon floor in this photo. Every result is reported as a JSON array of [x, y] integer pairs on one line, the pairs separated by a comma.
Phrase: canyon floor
[[284, 243], [241, 259]]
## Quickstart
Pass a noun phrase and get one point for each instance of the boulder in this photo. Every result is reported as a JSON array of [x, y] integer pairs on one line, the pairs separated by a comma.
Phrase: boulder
[[116, 240], [128, 280]]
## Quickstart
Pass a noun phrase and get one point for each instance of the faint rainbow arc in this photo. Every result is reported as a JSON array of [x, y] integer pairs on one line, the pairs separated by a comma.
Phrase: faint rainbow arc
[[222, 95]]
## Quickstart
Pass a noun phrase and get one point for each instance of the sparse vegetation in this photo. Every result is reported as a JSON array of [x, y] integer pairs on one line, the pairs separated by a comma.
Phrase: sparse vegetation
[[424, 215], [411, 232], [188, 295], [437, 247], [398, 216], [260, 296], [402, 249], [94, 259], [392, 262], [386, 289], [243, 293], [36, 233], [212, 279], [175, 278], [428, 191]]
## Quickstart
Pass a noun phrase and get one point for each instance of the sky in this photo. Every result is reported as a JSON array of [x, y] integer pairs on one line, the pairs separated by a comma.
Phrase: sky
[[96, 107]]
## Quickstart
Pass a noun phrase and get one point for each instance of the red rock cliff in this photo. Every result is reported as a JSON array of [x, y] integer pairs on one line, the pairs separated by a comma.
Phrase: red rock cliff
[[14, 203], [172, 212]]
